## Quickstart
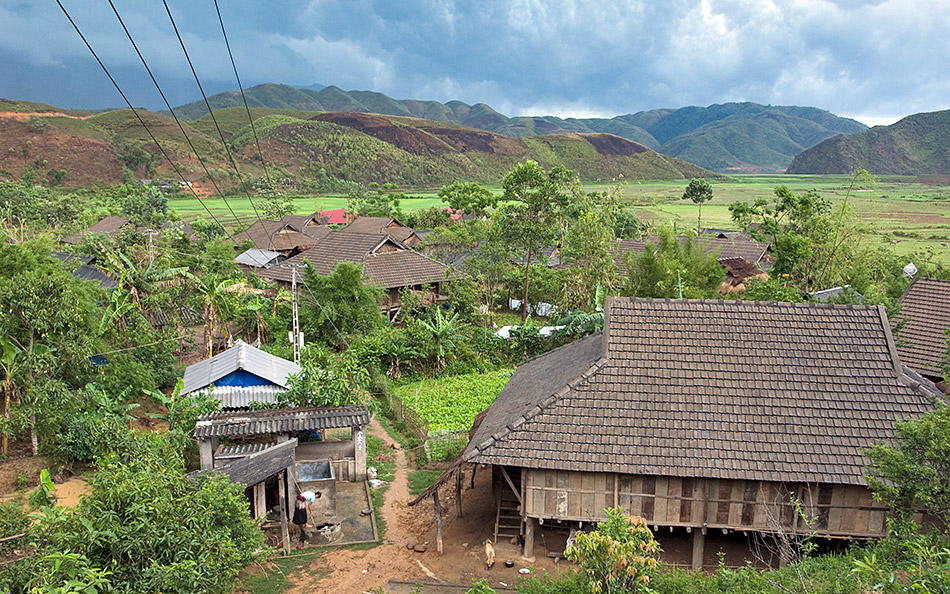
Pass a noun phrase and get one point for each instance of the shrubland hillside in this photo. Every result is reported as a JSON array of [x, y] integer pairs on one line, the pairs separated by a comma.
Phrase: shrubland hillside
[[83, 149], [916, 145], [105, 148]]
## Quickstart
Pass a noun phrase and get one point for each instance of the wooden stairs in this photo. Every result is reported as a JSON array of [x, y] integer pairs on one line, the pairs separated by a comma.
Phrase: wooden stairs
[[508, 522]]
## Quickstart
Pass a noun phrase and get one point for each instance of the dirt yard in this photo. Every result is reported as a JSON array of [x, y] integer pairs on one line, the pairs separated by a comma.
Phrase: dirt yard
[[345, 571], [348, 571]]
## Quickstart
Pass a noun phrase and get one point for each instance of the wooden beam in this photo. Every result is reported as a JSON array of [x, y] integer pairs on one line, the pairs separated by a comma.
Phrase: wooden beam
[[281, 491], [260, 501], [529, 538], [458, 493], [699, 535], [438, 520], [511, 484], [699, 545]]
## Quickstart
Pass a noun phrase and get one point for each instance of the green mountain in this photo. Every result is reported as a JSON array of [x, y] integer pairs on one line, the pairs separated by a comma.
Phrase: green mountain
[[917, 145], [729, 137]]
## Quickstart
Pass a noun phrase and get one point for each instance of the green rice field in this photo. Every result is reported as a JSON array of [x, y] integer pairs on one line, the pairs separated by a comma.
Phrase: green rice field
[[910, 216]]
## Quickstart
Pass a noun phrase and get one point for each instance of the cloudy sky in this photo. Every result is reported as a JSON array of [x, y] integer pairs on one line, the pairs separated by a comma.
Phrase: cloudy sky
[[873, 61]]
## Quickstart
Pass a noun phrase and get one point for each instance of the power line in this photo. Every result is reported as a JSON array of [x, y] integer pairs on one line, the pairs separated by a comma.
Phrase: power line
[[227, 149], [134, 111], [243, 96], [168, 105]]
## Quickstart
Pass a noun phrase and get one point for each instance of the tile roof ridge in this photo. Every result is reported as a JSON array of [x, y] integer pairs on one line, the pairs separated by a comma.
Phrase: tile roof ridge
[[891, 345]]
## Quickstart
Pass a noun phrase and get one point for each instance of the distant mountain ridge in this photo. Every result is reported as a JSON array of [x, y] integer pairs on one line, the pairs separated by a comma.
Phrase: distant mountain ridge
[[729, 137], [916, 145]]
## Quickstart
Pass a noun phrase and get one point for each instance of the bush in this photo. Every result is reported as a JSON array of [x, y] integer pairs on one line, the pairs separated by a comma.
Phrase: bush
[[13, 520], [144, 527], [620, 556]]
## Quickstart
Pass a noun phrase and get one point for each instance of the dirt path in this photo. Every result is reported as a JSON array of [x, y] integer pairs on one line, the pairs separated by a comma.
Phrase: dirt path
[[25, 115], [343, 571]]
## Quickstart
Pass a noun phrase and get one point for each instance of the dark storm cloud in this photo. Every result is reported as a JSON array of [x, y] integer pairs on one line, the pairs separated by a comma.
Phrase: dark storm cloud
[[866, 59]]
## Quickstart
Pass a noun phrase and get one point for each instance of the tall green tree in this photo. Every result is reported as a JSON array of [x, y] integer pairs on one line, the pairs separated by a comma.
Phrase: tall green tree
[[813, 242], [48, 320], [469, 198], [698, 191], [379, 201], [531, 218], [911, 473], [146, 207], [338, 304], [675, 267], [589, 251], [273, 204]]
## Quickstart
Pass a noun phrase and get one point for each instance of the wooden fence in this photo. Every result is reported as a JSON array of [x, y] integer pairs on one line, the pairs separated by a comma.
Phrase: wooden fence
[[410, 419], [434, 445]]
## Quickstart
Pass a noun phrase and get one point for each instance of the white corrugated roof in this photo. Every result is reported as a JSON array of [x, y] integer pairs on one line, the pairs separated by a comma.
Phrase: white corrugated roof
[[257, 258], [243, 396], [240, 356]]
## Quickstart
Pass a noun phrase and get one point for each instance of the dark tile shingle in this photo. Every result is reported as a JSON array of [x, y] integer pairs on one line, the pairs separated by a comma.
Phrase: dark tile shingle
[[925, 313], [715, 389]]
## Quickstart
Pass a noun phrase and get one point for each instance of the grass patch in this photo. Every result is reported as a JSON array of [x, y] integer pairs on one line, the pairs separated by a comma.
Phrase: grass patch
[[376, 495], [419, 480], [387, 426], [380, 457], [271, 576]]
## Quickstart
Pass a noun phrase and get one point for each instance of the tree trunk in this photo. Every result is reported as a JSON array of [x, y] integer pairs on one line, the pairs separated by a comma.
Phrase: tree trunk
[[209, 329], [6, 416], [524, 304], [34, 442]]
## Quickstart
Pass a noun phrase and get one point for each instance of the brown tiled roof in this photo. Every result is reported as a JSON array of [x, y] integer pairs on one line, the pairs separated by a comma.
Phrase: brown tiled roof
[[299, 222], [709, 389], [107, 226], [740, 268], [279, 236], [925, 311], [386, 262], [383, 226], [740, 247]]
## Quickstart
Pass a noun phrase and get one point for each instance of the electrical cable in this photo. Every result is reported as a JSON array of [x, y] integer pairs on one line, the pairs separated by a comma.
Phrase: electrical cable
[[227, 149], [174, 115], [243, 96], [139, 117]]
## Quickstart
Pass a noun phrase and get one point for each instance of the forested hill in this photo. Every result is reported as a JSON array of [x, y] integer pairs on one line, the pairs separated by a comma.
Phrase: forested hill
[[917, 145], [321, 150], [728, 137]]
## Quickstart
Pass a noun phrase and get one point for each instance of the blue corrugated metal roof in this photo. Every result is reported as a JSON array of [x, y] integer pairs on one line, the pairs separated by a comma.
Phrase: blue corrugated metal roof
[[241, 356]]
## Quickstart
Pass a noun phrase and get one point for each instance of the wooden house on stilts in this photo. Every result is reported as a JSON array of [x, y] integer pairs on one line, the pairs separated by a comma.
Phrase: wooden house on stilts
[[702, 415]]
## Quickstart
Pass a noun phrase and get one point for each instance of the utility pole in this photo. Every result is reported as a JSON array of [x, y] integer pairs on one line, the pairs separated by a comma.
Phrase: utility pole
[[151, 252], [295, 337]]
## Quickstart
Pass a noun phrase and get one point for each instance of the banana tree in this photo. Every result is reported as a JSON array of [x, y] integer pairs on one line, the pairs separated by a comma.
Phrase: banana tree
[[444, 331], [11, 359]]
